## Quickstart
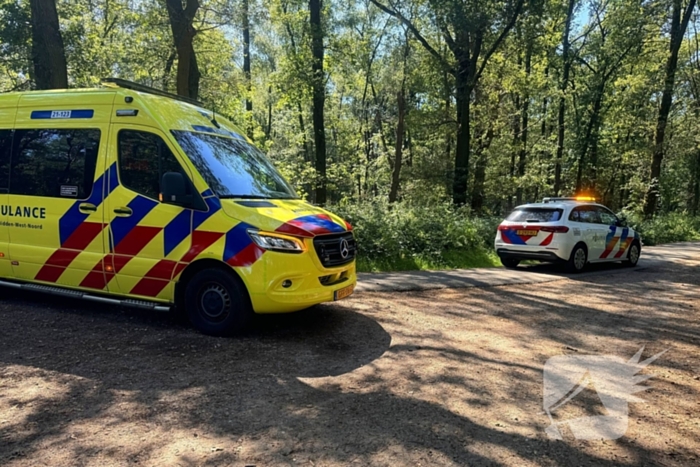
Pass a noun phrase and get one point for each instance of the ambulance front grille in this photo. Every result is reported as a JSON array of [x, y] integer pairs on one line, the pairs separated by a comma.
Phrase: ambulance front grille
[[335, 249]]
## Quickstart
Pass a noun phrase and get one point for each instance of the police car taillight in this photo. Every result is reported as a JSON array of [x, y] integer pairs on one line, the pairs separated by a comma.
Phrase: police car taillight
[[555, 229]]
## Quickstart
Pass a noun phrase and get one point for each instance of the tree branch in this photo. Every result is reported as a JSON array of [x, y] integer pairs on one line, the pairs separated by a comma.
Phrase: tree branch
[[501, 37], [417, 34]]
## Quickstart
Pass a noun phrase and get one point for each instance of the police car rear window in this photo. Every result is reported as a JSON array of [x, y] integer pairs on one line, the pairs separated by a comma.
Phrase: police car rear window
[[535, 215]]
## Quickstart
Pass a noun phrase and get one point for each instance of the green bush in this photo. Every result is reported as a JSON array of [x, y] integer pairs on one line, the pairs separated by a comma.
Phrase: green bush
[[404, 236], [666, 228]]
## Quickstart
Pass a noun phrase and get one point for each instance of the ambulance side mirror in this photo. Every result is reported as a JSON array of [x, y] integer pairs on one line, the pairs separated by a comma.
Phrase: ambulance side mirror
[[174, 189]]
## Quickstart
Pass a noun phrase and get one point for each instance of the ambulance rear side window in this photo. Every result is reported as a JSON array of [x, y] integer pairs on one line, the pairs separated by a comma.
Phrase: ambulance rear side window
[[54, 163], [5, 148]]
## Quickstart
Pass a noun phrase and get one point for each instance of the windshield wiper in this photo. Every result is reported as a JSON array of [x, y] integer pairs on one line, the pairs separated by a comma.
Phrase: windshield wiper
[[532, 220]]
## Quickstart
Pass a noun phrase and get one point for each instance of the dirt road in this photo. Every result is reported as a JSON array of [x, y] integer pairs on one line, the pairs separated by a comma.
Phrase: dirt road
[[432, 377]]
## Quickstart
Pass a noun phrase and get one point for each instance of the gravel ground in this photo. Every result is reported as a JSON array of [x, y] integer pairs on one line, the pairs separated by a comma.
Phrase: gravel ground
[[438, 377]]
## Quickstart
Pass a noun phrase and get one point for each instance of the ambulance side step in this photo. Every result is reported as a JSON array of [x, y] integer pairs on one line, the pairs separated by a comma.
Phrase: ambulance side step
[[143, 304]]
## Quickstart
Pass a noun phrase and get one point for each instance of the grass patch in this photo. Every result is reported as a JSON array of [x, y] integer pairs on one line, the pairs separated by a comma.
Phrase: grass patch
[[451, 259]]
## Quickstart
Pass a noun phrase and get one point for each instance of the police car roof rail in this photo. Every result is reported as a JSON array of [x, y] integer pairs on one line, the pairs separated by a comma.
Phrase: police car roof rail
[[125, 84]]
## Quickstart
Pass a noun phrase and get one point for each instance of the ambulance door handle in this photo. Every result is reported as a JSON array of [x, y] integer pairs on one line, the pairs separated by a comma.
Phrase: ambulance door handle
[[123, 212], [87, 207]]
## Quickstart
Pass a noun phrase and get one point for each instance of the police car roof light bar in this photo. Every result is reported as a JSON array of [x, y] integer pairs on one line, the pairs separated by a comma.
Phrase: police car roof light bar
[[568, 198]]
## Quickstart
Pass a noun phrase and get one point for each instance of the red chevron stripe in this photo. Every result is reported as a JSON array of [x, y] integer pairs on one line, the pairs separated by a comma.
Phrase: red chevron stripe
[[136, 240], [96, 278], [128, 247], [62, 258], [149, 287], [246, 256], [83, 235], [547, 240], [157, 278]]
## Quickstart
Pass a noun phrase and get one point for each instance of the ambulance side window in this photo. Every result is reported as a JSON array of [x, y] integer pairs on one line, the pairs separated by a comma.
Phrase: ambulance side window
[[54, 163], [5, 148], [143, 159]]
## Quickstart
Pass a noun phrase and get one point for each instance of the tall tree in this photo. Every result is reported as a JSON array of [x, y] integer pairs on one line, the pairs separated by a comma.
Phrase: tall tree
[[679, 23], [563, 84], [181, 24], [48, 54], [318, 84], [246, 53], [473, 31]]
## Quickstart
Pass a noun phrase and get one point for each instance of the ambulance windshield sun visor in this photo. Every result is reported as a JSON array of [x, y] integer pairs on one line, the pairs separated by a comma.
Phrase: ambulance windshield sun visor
[[233, 168]]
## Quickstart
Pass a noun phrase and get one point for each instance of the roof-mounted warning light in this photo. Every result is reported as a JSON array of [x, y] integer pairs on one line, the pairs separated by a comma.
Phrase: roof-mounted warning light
[[568, 198]]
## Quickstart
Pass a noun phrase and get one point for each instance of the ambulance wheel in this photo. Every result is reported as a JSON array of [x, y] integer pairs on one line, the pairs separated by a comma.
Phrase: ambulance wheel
[[632, 255], [510, 263], [578, 259], [217, 303]]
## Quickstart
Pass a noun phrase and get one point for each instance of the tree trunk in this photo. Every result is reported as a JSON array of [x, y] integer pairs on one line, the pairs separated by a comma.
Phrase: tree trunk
[[522, 156], [695, 206], [566, 46], [48, 54], [591, 139], [168, 69], [268, 128], [465, 86], [181, 20], [319, 98], [678, 27], [246, 55], [398, 153]]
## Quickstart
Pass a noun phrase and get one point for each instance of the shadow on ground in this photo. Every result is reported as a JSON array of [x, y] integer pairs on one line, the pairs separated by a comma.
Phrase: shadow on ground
[[113, 369]]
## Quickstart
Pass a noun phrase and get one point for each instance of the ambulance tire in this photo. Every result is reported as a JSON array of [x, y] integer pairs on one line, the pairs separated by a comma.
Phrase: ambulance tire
[[633, 255], [578, 259], [217, 303]]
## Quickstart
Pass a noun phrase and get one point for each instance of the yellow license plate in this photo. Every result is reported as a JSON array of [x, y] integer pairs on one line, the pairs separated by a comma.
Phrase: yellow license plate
[[344, 292], [524, 233]]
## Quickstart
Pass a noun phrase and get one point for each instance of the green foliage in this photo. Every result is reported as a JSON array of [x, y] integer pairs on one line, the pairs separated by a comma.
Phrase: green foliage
[[667, 228], [405, 236], [618, 52]]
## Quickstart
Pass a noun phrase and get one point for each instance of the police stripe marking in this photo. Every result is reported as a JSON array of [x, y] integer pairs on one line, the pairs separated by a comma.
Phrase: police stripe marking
[[624, 242], [610, 241]]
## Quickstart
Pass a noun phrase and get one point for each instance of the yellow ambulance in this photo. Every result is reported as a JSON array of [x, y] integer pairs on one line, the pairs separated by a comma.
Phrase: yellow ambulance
[[128, 195]]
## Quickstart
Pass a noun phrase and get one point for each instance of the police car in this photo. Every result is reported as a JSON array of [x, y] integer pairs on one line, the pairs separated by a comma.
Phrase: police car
[[572, 231]]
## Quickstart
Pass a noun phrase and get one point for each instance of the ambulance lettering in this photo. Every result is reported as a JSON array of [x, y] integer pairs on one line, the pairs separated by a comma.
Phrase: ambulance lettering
[[23, 211]]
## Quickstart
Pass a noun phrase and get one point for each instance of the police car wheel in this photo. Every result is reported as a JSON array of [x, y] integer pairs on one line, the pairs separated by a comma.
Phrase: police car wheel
[[578, 259], [510, 263], [632, 255], [217, 303]]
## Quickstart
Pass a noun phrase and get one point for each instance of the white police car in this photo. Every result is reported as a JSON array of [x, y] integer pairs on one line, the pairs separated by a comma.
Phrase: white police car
[[574, 231]]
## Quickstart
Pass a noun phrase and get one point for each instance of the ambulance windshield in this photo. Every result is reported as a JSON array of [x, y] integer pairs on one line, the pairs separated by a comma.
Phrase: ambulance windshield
[[233, 168]]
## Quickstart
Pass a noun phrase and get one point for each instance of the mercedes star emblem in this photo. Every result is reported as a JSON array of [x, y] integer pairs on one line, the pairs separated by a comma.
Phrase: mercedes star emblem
[[344, 248]]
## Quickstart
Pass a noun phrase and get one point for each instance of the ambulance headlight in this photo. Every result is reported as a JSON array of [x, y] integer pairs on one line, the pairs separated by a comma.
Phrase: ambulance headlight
[[276, 242]]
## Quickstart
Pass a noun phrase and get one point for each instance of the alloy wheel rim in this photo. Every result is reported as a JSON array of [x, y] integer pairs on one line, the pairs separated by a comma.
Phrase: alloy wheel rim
[[580, 258], [634, 254]]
